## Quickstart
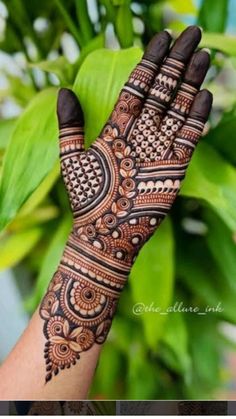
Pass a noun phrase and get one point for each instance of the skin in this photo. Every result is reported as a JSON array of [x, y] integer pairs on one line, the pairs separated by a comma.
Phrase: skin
[[22, 376]]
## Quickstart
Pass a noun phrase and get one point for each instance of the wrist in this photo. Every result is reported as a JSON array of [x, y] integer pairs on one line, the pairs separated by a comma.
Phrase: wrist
[[95, 265]]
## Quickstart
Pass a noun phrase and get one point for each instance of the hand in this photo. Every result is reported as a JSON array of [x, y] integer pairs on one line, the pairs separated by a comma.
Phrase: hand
[[121, 188]]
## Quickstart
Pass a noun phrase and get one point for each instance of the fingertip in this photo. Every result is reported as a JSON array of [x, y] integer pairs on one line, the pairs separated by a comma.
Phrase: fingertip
[[202, 105], [186, 43], [197, 68], [69, 110], [158, 47]]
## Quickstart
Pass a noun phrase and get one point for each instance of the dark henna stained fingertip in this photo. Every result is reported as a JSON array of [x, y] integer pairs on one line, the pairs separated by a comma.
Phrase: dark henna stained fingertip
[[186, 43], [158, 47], [201, 107], [197, 68], [69, 110]]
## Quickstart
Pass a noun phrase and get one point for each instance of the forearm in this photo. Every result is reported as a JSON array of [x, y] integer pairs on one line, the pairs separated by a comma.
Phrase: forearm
[[57, 355], [22, 376]]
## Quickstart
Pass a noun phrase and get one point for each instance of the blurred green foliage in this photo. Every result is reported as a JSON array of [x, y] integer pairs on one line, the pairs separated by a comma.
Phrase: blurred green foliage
[[192, 258]]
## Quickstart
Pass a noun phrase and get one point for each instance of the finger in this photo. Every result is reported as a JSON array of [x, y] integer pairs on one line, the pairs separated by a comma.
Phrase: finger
[[186, 44], [191, 131], [180, 107], [173, 68], [132, 95], [71, 123], [161, 93], [71, 138]]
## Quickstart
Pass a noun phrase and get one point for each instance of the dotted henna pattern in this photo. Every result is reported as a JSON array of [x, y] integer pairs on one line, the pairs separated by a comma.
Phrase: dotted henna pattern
[[120, 189]]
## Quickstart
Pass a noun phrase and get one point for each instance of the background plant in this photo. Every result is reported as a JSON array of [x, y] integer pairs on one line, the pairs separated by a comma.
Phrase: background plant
[[192, 259]]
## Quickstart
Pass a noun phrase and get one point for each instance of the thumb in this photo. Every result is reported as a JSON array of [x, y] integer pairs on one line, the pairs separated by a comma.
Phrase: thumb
[[71, 122]]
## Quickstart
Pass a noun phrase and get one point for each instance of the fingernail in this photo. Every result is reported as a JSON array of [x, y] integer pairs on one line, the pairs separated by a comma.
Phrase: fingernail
[[206, 50], [168, 30]]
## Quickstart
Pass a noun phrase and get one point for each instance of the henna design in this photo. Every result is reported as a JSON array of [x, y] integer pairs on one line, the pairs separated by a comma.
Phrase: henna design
[[120, 189]]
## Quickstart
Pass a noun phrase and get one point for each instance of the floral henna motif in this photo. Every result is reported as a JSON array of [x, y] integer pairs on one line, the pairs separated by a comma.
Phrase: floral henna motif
[[120, 189], [77, 314]]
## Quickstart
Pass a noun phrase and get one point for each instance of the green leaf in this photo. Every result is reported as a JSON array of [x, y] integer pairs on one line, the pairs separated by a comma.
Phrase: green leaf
[[14, 247], [152, 279], [98, 83], [40, 193], [140, 371], [213, 15], [6, 129], [205, 353], [221, 136], [211, 179], [60, 67], [222, 244], [97, 42], [176, 356], [118, 2], [106, 380], [124, 25], [50, 263], [21, 92], [183, 7], [31, 154], [37, 217], [221, 42], [198, 272]]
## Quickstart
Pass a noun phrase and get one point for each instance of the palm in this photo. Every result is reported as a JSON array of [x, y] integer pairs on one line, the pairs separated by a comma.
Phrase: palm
[[125, 183]]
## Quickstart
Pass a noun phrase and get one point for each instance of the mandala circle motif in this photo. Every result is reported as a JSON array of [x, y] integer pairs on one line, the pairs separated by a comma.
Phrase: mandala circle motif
[[127, 164], [123, 204], [85, 339], [84, 303], [128, 184], [61, 354], [55, 326], [110, 220]]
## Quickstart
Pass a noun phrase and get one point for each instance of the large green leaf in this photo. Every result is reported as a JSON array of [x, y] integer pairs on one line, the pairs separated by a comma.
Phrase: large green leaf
[[205, 353], [6, 128], [124, 25], [31, 154], [98, 83], [222, 136], [213, 15], [106, 380], [176, 356], [221, 42], [222, 244], [211, 179], [60, 67], [152, 282], [199, 273], [50, 263], [140, 371], [14, 247], [41, 192]]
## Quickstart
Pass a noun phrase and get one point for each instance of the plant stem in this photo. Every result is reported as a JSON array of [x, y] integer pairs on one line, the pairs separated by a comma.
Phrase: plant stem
[[70, 23], [84, 20]]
